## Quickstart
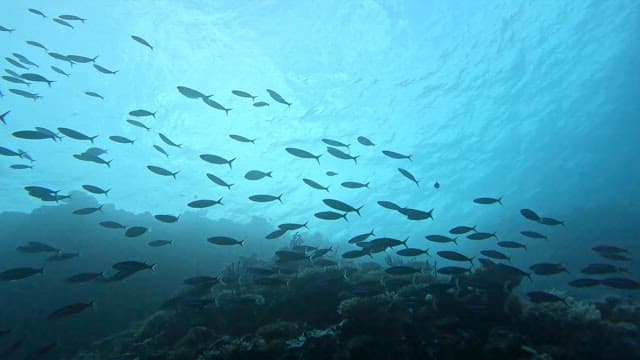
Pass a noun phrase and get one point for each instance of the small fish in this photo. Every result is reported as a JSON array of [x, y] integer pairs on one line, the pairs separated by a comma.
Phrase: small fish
[[2, 28], [12, 73], [362, 237], [159, 243], [30, 135], [142, 113], [409, 176], [389, 205], [260, 104], [341, 206], [19, 273], [69, 310], [412, 252], [621, 283], [135, 231], [265, 198], [365, 141], [112, 225], [63, 23], [256, 175], [547, 269], [16, 63], [60, 71], [215, 159], [169, 219], [121, 139], [216, 105], [609, 249], [82, 59], [441, 239], [37, 44], [302, 154], [71, 18], [550, 221], [354, 254], [200, 280], [415, 214], [224, 240], [241, 138], [168, 141], [36, 78], [481, 236], [315, 185], [61, 57], [244, 94], [161, 171], [436, 185], [487, 200], [219, 181], [25, 94], [21, 166], [87, 211], [37, 12], [140, 125], [96, 190], [83, 277], [453, 270], [92, 158], [75, 134], [539, 297], [330, 215], [533, 234], [331, 173], [160, 150], [275, 96], [276, 234], [395, 155], [191, 93], [584, 282], [354, 185], [454, 256], [401, 270], [292, 226], [94, 94], [63, 256], [511, 245], [16, 80], [23, 59], [105, 70], [341, 154], [600, 269], [495, 255], [335, 143], [142, 41], [459, 230], [530, 215], [617, 257], [201, 204]]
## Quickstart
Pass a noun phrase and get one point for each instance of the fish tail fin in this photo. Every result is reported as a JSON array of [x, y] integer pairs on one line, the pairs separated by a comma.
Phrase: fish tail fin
[[344, 216], [269, 174], [226, 112], [279, 197], [108, 163], [229, 186], [355, 159], [358, 210], [231, 161], [327, 188], [455, 240], [410, 157], [500, 200], [426, 252], [220, 201], [318, 158], [153, 113], [92, 138], [174, 174], [94, 59], [405, 243], [372, 233], [366, 185], [100, 207], [49, 82], [305, 225], [241, 243]]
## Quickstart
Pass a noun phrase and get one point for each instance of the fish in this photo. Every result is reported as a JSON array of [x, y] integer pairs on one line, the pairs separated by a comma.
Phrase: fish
[[276, 234], [76, 134], [139, 124], [132, 266], [112, 225], [550, 221], [292, 226], [39, 191], [241, 138], [365, 141], [302, 154], [395, 155], [584, 282], [547, 269], [335, 143], [460, 230], [15, 80], [331, 173], [487, 200], [37, 44], [454, 256], [191, 93], [330, 215], [63, 23], [12, 73], [19, 273], [219, 181], [609, 249], [63, 256], [533, 234], [341, 206], [83, 277], [495, 255], [23, 59], [121, 139], [36, 78], [105, 70], [204, 203], [25, 94], [69, 310], [2, 117], [82, 59], [256, 175], [200, 280], [244, 94], [617, 257], [142, 41], [21, 166], [218, 160], [436, 185], [409, 176], [453, 270], [159, 243], [216, 105], [362, 237], [415, 214], [72, 18], [481, 236], [168, 141], [30, 135], [412, 252], [315, 185], [441, 239], [260, 104], [94, 94], [135, 231], [354, 185], [169, 219], [87, 211], [16, 63], [61, 57], [2, 28], [389, 205], [224, 240], [539, 297], [160, 150], [599, 269], [92, 158], [354, 254], [275, 96], [621, 283], [142, 113], [37, 12], [162, 171], [511, 245], [265, 198], [530, 215], [341, 155], [401, 270]]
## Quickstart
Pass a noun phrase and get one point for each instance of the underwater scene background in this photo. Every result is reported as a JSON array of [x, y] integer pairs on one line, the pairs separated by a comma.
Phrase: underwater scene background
[[319, 179]]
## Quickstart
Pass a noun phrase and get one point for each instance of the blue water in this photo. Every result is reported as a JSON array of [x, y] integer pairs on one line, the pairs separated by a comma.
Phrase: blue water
[[533, 102]]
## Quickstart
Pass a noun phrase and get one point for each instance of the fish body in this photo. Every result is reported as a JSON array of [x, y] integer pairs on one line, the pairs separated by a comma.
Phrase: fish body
[[96, 190], [533, 234], [530, 215], [25, 94], [142, 113], [330, 215], [162, 171], [169, 219], [341, 154], [61, 57], [82, 59], [37, 12], [159, 243], [441, 239], [354, 185], [112, 225], [168, 141], [69, 310], [275, 96], [244, 94], [142, 41], [36, 78], [302, 154], [83, 278], [460, 230], [256, 175], [76, 134], [31, 135], [225, 241], [94, 94], [191, 93], [219, 181], [37, 44], [104, 70], [121, 139], [160, 150], [365, 141], [218, 160], [138, 124], [135, 231], [87, 211], [241, 138], [216, 105], [19, 273], [71, 18], [63, 23], [396, 155], [265, 198], [204, 203], [315, 185]]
